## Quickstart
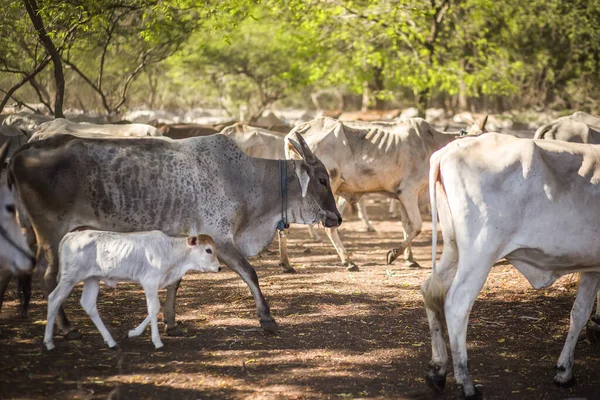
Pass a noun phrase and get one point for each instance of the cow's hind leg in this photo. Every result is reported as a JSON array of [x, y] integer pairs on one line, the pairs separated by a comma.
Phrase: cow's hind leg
[[171, 327], [582, 308], [89, 298], [231, 257], [470, 277], [592, 329], [434, 293]]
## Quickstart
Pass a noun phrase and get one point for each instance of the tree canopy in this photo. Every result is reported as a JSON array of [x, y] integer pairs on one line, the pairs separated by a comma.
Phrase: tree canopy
[[112, 55]]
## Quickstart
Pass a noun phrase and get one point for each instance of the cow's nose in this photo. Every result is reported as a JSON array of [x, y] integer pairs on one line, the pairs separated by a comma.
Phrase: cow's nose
[[219, 269], [340, 219]]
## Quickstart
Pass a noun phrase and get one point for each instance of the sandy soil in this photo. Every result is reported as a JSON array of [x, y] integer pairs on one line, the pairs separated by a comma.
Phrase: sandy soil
[[342, 335]]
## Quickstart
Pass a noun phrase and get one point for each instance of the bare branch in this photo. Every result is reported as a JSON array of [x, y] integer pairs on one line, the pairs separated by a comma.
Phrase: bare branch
[[23, 81]]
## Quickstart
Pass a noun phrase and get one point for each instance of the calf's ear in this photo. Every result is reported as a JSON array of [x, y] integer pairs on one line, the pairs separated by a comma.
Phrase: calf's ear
[[192, 241], [303, 177]]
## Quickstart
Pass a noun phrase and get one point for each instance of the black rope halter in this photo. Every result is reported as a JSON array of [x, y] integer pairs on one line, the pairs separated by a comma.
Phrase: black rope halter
[[283, 224]]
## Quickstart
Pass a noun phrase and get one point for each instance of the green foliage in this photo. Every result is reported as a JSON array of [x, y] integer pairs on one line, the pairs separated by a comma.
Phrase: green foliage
[[251, 53]]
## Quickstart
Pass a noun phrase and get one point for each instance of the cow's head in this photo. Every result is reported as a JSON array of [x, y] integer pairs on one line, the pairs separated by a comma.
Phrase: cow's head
[[15, 255], [314, 182]]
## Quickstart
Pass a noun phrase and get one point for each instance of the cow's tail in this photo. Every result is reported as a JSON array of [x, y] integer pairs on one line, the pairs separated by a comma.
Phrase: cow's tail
[[434, 289]]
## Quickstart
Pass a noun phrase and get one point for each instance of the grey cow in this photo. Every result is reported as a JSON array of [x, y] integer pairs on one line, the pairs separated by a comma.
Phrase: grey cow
[[181, 187]]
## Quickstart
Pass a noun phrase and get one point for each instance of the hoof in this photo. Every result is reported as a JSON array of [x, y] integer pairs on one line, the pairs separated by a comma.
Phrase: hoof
[[475, 396], [49, 346], [158, 346], [72, 335], [565, 385], [269, 326], [436, 382], [287, 269], [174, 331], [592, 330], [412, 265], [350, 267], [392, 255], [116, 347]]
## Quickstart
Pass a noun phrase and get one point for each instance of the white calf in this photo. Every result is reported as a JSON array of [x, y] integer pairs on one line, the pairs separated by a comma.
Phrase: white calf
[[151, 259]]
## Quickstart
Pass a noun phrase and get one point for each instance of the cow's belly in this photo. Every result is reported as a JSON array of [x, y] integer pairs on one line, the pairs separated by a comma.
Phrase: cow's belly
[[542, 268]]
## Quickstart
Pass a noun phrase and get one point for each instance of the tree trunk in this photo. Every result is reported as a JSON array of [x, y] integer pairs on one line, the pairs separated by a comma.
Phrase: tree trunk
[[366, 94], [33, 11], [422, 99]]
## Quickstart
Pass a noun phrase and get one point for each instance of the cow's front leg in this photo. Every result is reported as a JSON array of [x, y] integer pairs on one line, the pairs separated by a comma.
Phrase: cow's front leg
[[339, 247], [284, 261], [582, 308], [231, 257], [47, 260], [411, 225], [171, 328]]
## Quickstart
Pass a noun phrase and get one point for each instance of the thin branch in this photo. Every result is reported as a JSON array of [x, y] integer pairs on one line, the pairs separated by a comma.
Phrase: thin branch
[[23, 81], [90, 83]]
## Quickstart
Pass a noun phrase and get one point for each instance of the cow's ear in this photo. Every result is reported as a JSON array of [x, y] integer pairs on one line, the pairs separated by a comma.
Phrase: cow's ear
[[192, 241], [303, 177]]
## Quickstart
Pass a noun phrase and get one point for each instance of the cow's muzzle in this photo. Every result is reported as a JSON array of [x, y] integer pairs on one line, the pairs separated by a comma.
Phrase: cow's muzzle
[[330, 219]]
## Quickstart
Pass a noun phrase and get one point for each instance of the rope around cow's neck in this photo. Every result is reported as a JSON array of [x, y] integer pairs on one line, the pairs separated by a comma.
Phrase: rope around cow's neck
[[283, 224]]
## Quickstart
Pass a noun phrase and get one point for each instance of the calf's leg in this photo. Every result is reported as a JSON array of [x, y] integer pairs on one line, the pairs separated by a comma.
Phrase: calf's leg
[[47, 260], [153, 304], [582, 308], [55, 300], [89, 298], [138, 330], [334, 236]]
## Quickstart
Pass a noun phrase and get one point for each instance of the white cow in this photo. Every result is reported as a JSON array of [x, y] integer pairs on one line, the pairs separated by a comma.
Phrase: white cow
[[535, 203], [151, 259], [61, 126]]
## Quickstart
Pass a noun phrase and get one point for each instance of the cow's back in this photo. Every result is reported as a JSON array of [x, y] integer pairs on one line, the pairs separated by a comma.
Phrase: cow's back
[[526, 195], [132, 184]]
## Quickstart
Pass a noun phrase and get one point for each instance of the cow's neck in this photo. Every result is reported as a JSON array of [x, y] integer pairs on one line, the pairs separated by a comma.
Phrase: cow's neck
[[268, 186]]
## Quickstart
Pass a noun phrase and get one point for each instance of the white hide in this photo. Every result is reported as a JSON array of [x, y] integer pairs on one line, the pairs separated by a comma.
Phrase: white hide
[[61, 126], [535, 203], [151, 259]]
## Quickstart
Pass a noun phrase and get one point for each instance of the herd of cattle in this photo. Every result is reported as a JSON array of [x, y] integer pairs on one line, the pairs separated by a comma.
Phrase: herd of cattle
[[145, 204]]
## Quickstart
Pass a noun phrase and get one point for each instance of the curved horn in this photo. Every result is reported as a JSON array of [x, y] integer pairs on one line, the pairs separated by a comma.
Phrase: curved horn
[[307, 153], [482, 126]]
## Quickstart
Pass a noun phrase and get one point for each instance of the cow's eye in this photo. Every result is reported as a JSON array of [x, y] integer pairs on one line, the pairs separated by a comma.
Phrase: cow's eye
[[209, 251], [323, 181], [10, 208]]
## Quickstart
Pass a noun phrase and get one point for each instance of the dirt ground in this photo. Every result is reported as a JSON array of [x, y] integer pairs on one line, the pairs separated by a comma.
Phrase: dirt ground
[[342, 334]]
